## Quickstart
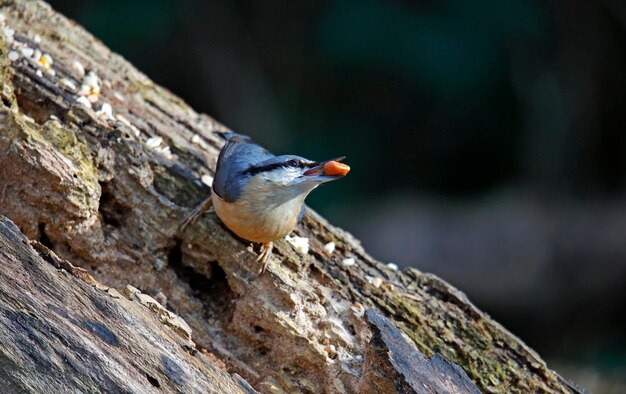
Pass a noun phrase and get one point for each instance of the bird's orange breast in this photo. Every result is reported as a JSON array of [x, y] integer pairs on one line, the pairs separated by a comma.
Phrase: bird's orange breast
[[254, 221]]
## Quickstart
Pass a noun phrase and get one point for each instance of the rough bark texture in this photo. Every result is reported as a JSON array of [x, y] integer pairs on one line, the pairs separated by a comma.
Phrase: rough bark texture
[[389, 357], [62, 331], [105, 194]]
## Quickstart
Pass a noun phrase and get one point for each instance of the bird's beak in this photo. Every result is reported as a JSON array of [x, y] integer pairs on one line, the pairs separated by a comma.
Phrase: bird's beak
[[328, 170]]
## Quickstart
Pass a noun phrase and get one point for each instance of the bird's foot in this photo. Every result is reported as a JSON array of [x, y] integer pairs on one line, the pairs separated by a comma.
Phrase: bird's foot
[[206, 204], [266, 252]]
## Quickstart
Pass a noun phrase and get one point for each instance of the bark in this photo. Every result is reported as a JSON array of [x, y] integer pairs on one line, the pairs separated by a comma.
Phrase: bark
[[107, 194], [62, 331]]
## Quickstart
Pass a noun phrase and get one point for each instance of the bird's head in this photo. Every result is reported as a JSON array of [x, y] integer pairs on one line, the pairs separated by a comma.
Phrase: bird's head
[[290, 176]]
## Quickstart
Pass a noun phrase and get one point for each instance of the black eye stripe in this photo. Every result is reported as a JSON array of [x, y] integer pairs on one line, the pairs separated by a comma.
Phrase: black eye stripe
[[287, 163], [258, 169]]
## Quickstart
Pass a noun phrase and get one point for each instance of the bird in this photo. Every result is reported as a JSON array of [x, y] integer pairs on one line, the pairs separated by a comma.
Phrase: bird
[[260, 196]]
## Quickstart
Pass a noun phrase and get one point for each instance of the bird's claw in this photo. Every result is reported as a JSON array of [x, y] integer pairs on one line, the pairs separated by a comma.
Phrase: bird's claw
[[266, 252]]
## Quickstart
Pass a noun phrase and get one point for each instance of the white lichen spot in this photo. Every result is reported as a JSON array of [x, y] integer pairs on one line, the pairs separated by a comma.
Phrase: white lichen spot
[[83, 101], [195, 139], [330, 247], [79, 68], [154, 142], [105, 112], [8, 35], [90, 87], [69, 84], [27, 51], [300, 243], [13, 56], [37, 39], [92, 81], [39, 73], [377, 281], [45, 62], [207, 180], [165, 152], [392, 266], [349, 262]]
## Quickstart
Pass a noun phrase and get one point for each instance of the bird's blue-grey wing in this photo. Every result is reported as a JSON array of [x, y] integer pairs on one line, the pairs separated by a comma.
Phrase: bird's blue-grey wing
[[233, 144], [237, 156]]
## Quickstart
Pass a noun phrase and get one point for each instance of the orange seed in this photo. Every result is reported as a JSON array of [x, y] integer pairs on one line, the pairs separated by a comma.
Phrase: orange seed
[[336, 168]]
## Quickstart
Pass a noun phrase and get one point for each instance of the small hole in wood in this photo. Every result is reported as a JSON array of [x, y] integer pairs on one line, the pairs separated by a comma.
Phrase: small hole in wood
[[43, 237], [112, 211], [153, 381]]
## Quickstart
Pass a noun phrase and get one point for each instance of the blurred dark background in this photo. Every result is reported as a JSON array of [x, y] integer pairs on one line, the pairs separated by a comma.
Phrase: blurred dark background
[[487, 138]]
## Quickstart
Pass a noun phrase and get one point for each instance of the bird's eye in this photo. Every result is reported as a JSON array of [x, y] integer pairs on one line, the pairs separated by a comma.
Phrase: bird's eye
[[292, 163]]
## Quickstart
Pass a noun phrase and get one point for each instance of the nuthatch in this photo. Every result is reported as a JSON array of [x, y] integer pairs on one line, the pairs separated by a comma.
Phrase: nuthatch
[[259, 196]]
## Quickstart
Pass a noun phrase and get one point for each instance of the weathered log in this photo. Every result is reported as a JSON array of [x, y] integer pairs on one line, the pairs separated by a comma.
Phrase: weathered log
[[62, 331], [106, 190]]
